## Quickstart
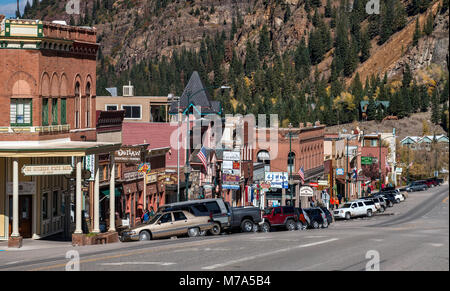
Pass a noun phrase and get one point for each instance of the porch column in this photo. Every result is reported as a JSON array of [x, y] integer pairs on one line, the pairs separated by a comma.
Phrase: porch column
[[15, 226], [112, 194], [97, 197], [78, 201]]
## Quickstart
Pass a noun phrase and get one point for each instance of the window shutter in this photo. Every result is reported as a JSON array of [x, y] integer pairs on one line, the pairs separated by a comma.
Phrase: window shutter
[[45, 111]]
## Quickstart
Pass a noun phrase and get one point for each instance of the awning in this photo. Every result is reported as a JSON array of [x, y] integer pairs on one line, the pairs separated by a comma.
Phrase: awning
[[118, 192]]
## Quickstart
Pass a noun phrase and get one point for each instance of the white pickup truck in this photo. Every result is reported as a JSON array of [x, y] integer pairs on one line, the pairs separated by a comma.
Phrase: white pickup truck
[[354, 209]]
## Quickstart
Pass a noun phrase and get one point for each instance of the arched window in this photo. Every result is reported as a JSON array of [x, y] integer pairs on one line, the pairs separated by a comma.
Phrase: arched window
[[88, 105], [77, 105], [264, 157]]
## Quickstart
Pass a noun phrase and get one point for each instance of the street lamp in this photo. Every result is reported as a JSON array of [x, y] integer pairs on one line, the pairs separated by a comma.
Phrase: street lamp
[[290, 163], [187, 169]]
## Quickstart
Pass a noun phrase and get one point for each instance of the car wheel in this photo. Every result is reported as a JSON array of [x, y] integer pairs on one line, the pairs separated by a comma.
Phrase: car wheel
[[382, 209], [369, 213], [391, 204], [290, 225], [325, 224], [255, 227], [202, 233], [299, 225], [397, 200], [265, 227], [246, 225], [347, 215], [144, 235], [193, 232], [216, 229], [315, 225]]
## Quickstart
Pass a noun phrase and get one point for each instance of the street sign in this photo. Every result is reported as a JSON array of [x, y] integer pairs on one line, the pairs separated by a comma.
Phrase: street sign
[[340, 171], [44, 170], [306, 191], [366, 160]]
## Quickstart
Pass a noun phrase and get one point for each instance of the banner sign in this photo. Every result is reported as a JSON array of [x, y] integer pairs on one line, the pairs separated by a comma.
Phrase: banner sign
[[25, 188], [230, 179], [90, 165], [323, 182], [44, 170]]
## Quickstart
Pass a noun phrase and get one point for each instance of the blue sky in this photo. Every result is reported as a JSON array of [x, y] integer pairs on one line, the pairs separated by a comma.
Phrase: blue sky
[[8, 7]]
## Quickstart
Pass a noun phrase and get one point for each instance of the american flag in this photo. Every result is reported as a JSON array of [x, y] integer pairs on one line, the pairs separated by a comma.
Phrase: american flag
[[202, 156], [301, 172]]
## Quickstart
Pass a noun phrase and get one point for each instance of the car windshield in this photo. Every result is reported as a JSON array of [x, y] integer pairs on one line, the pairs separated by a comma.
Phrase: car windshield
[[154, 219], [347, 205]]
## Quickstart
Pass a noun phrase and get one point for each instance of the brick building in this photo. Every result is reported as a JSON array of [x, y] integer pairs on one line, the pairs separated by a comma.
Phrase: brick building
[[307, 146], [47, 89]]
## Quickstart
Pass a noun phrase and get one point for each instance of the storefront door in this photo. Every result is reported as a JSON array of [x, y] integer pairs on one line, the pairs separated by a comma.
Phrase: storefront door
[[25, 215]]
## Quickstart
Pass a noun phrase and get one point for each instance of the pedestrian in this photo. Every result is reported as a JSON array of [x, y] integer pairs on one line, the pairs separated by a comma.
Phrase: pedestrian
[[340, 198], [369, 191], [146, 216]]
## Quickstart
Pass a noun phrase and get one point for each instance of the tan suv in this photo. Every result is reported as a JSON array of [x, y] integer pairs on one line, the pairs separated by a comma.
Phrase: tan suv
[[168, 224]]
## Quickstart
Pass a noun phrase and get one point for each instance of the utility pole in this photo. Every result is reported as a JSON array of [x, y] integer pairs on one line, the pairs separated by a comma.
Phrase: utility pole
[[178, 150], [291, 164], [379, 160], [346, 174]]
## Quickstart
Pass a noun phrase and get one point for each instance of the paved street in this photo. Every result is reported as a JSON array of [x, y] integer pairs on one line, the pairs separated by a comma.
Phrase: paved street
[[410, 236]]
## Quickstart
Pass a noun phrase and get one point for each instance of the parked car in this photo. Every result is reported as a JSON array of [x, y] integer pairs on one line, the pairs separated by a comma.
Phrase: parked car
[[317, 218], [168, 224], [380, 202], [220, 213], [246, 219], [433, 182], [303, 219], [328, 215], [417, 186], [281, 216], [354, 209]]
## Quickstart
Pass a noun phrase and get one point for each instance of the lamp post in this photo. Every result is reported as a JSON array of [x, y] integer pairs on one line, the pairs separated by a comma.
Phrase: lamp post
[[290, 163], [187, 169]]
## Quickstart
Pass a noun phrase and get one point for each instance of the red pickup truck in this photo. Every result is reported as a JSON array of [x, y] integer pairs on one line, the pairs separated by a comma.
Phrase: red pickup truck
[[281, 216]]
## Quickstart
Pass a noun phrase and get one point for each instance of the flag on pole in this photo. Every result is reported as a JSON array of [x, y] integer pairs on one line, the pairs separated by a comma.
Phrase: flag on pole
[[202, 156], [301, 172]]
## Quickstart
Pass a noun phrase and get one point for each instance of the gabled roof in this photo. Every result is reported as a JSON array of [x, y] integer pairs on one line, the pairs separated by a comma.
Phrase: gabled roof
[[413, 139], [196, 94]]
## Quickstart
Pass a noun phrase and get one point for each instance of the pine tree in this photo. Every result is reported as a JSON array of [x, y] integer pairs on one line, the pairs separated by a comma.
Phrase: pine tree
[[328, 9], [435, 112], [428, 27], [417, 33], [264, 42], [365, 46], [287, 14]]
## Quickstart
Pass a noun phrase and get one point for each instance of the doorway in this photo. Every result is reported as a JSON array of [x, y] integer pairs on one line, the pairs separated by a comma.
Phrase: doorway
[[25, 215]]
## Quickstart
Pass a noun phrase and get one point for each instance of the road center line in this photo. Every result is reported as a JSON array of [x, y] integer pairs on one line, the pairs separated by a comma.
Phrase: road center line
[[266, 254]]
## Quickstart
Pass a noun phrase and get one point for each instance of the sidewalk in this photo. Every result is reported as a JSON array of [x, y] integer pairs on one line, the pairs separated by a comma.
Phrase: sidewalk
[[30, 244]]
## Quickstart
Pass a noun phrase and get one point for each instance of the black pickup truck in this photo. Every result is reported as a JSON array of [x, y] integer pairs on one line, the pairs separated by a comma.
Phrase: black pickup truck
[[246, 219]]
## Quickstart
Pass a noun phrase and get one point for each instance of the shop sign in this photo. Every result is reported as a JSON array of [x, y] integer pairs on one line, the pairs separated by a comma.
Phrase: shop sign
[[232, 187], [25, 188], [366, 160], [227, 165], [232, 172], [277, 180], [306, 191], [230, 179], [90, 166], [315, 185], [44, 170], [231, 156], [128, 155], [340, 171], [399, 170], [132, 176], [323, 182]]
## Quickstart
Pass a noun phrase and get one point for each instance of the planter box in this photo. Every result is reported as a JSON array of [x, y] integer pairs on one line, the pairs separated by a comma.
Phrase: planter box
[[101, 238]]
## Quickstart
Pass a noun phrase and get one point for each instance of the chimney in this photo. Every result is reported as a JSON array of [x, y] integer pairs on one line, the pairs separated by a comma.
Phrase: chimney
[[128, 90], [18, 7]]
